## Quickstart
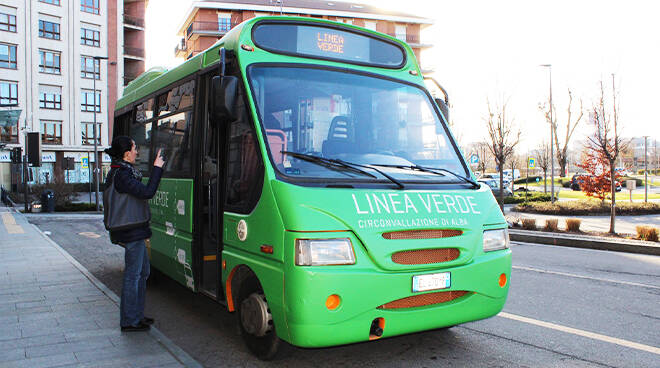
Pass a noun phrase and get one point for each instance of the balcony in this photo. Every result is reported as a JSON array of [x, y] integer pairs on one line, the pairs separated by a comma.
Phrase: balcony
[[128, 78], [134, 52], [181, 48], [133, 21], [208, 29]]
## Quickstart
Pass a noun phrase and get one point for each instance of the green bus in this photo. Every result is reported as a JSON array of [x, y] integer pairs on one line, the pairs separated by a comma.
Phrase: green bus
[[312, 186]]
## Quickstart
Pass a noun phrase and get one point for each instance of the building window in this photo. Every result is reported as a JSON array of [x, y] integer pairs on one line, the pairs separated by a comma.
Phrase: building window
[[50, 97], [90, 37], [88, 133], [49, 62], [400, 32], [49, 30], [51, 132], [224, 22], [368, 24], [7, 22], [54, 2], [7, 56], [8, 94], [90, 68], [90, 6], [87, 100]]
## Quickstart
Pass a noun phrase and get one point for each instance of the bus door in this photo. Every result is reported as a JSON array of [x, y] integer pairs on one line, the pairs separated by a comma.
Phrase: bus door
[[213, 138]]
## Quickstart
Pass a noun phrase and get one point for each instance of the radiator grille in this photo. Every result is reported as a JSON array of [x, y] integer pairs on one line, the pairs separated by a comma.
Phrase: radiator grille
[[424, 299], [425, 256], [422, 234]]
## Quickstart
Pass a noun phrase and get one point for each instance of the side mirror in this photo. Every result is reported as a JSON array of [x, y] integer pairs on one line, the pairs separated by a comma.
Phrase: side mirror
[[224, 91]]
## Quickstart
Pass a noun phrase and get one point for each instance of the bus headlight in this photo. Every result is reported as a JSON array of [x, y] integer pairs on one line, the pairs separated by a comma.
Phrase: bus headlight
[[318, 252], [496, 240]]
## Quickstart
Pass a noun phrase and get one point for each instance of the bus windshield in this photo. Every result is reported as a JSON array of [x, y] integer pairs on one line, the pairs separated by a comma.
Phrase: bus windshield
[[354, 118]]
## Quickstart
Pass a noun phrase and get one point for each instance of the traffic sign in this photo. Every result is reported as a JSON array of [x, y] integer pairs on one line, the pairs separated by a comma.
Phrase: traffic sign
[[84, 162], [474, 159], [532, 163]]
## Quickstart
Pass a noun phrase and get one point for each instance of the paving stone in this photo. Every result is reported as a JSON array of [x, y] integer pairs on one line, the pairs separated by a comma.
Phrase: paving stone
[[68, 347], [9, 332], [12, 354], [38, 331], [32, 341], [42, 362], [81, 335]]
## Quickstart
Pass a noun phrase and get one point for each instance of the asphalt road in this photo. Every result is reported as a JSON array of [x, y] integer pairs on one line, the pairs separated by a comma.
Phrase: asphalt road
[[566, 308]]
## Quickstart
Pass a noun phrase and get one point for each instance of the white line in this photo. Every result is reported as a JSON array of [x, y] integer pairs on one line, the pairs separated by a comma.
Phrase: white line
[[584, 277], [575, 331]]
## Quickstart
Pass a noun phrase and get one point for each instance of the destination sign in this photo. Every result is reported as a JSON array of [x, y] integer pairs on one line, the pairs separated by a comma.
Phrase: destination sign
[[328, 42]]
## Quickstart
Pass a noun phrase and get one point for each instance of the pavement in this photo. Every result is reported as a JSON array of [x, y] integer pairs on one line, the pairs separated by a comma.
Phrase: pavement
[[54, 313]]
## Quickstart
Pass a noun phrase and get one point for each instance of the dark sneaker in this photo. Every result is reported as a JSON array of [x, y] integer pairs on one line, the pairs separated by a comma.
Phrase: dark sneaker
[[140, 327], [147, 321]]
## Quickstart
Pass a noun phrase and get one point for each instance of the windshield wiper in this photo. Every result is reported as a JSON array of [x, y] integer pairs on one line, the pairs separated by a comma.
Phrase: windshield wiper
[[334, 163], [434, 170], [326, 162]]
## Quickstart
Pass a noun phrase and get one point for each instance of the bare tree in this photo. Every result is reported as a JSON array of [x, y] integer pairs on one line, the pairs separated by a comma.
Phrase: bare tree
[[481, 150], [606, 142], [503, 140], [561, 150], [543, 161]]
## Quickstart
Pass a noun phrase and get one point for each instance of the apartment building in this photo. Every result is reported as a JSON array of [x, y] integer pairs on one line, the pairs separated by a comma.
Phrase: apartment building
[[55, 78], [207, 21]]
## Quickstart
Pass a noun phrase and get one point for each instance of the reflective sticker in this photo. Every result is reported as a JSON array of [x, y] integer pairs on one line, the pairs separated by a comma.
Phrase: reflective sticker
[[241, 230], [181, 256], [181, 207], [170, 228]]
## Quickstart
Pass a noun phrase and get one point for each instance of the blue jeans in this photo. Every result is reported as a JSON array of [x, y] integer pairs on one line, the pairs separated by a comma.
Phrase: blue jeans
[[136, 272]]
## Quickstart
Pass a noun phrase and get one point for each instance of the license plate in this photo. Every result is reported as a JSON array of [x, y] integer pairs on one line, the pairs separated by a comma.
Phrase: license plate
[[431, 282]]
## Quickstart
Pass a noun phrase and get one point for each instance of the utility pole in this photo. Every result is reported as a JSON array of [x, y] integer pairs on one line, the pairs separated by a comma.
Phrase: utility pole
[[646, 171]]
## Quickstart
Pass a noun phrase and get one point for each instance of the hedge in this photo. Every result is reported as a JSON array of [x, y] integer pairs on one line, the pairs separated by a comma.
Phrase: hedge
[[519, 197], [588, 207]]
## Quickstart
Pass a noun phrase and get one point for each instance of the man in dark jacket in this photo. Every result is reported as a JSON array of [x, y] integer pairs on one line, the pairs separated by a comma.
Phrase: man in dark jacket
[[127, 179]]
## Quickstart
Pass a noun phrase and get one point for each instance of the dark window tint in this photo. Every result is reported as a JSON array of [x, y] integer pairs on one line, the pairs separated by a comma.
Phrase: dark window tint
[[245, 169], [145, 111], [141, 134], [173, 134], [328, 43], [178, 98]]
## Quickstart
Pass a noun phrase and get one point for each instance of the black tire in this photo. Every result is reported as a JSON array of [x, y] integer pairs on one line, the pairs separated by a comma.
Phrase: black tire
[[268, 346]]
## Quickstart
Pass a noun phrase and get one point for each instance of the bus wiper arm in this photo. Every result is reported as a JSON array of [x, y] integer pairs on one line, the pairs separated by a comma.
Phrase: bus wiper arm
[[434, 170], [330, 163], [390, 178]]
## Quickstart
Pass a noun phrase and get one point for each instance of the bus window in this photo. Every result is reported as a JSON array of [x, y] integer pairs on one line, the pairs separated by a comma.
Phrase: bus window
[[140, 131], [173, 136]]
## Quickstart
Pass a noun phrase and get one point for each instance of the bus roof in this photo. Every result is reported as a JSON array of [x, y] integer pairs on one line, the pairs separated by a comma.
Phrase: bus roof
[[158, 78]]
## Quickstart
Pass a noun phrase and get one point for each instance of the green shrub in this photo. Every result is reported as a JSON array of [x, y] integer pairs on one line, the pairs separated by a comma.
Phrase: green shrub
[[76, 207], [573, 225], [624, 179], [648, 233], [519, 197], [531, 179]]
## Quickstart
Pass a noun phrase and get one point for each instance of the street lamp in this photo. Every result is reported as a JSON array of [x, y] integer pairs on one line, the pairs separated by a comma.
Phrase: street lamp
[[552, 153], [96, 148], [646, 170]]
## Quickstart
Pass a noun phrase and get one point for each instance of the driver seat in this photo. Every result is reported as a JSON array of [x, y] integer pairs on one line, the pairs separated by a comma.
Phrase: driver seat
[[341, 137]]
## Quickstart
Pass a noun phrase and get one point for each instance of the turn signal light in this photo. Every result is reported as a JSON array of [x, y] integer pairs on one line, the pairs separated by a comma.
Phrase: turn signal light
[[332, 302], [502, 280]]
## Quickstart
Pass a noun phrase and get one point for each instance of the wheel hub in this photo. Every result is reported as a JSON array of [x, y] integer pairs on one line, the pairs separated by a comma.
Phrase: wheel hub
[[255, 315]]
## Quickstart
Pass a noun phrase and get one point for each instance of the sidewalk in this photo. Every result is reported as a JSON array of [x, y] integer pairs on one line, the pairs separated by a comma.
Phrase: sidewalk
[[53, 312]]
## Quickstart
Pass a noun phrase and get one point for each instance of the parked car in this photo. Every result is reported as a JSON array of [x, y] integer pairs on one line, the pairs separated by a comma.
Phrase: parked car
[[495, 187], [578, 179], [506, 179]]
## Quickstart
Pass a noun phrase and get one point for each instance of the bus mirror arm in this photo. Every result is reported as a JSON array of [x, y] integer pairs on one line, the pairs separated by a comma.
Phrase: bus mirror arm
[[224, 91], [443, 105]]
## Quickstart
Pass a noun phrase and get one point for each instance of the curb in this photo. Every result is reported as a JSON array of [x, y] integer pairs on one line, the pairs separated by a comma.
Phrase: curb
[[585, 241], [179, 354]]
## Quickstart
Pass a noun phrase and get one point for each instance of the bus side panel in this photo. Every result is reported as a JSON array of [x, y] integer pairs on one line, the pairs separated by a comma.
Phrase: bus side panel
[[171, 225]]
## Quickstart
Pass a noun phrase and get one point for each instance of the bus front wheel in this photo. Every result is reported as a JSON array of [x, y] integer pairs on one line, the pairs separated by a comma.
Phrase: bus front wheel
[[256, 322]]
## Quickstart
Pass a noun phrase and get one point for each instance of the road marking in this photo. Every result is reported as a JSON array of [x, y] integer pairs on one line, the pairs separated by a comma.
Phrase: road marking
[[584, 277], [575, 331], [89, 234], [11, 225]]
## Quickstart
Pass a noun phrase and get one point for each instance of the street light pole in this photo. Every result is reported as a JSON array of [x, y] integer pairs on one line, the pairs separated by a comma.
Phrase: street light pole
[[552, 151], [96, 148]]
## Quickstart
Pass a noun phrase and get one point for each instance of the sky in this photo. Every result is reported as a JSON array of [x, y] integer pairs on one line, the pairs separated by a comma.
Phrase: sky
[[492, 51]]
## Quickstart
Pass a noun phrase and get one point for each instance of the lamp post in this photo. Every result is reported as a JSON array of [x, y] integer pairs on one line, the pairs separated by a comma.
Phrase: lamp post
[[646, 171], [552, 151], [96, 148]]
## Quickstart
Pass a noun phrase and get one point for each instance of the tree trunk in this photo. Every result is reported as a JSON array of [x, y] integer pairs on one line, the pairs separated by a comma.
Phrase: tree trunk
[[613, 203], [545, 181], [501, 189], [562, 166]]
